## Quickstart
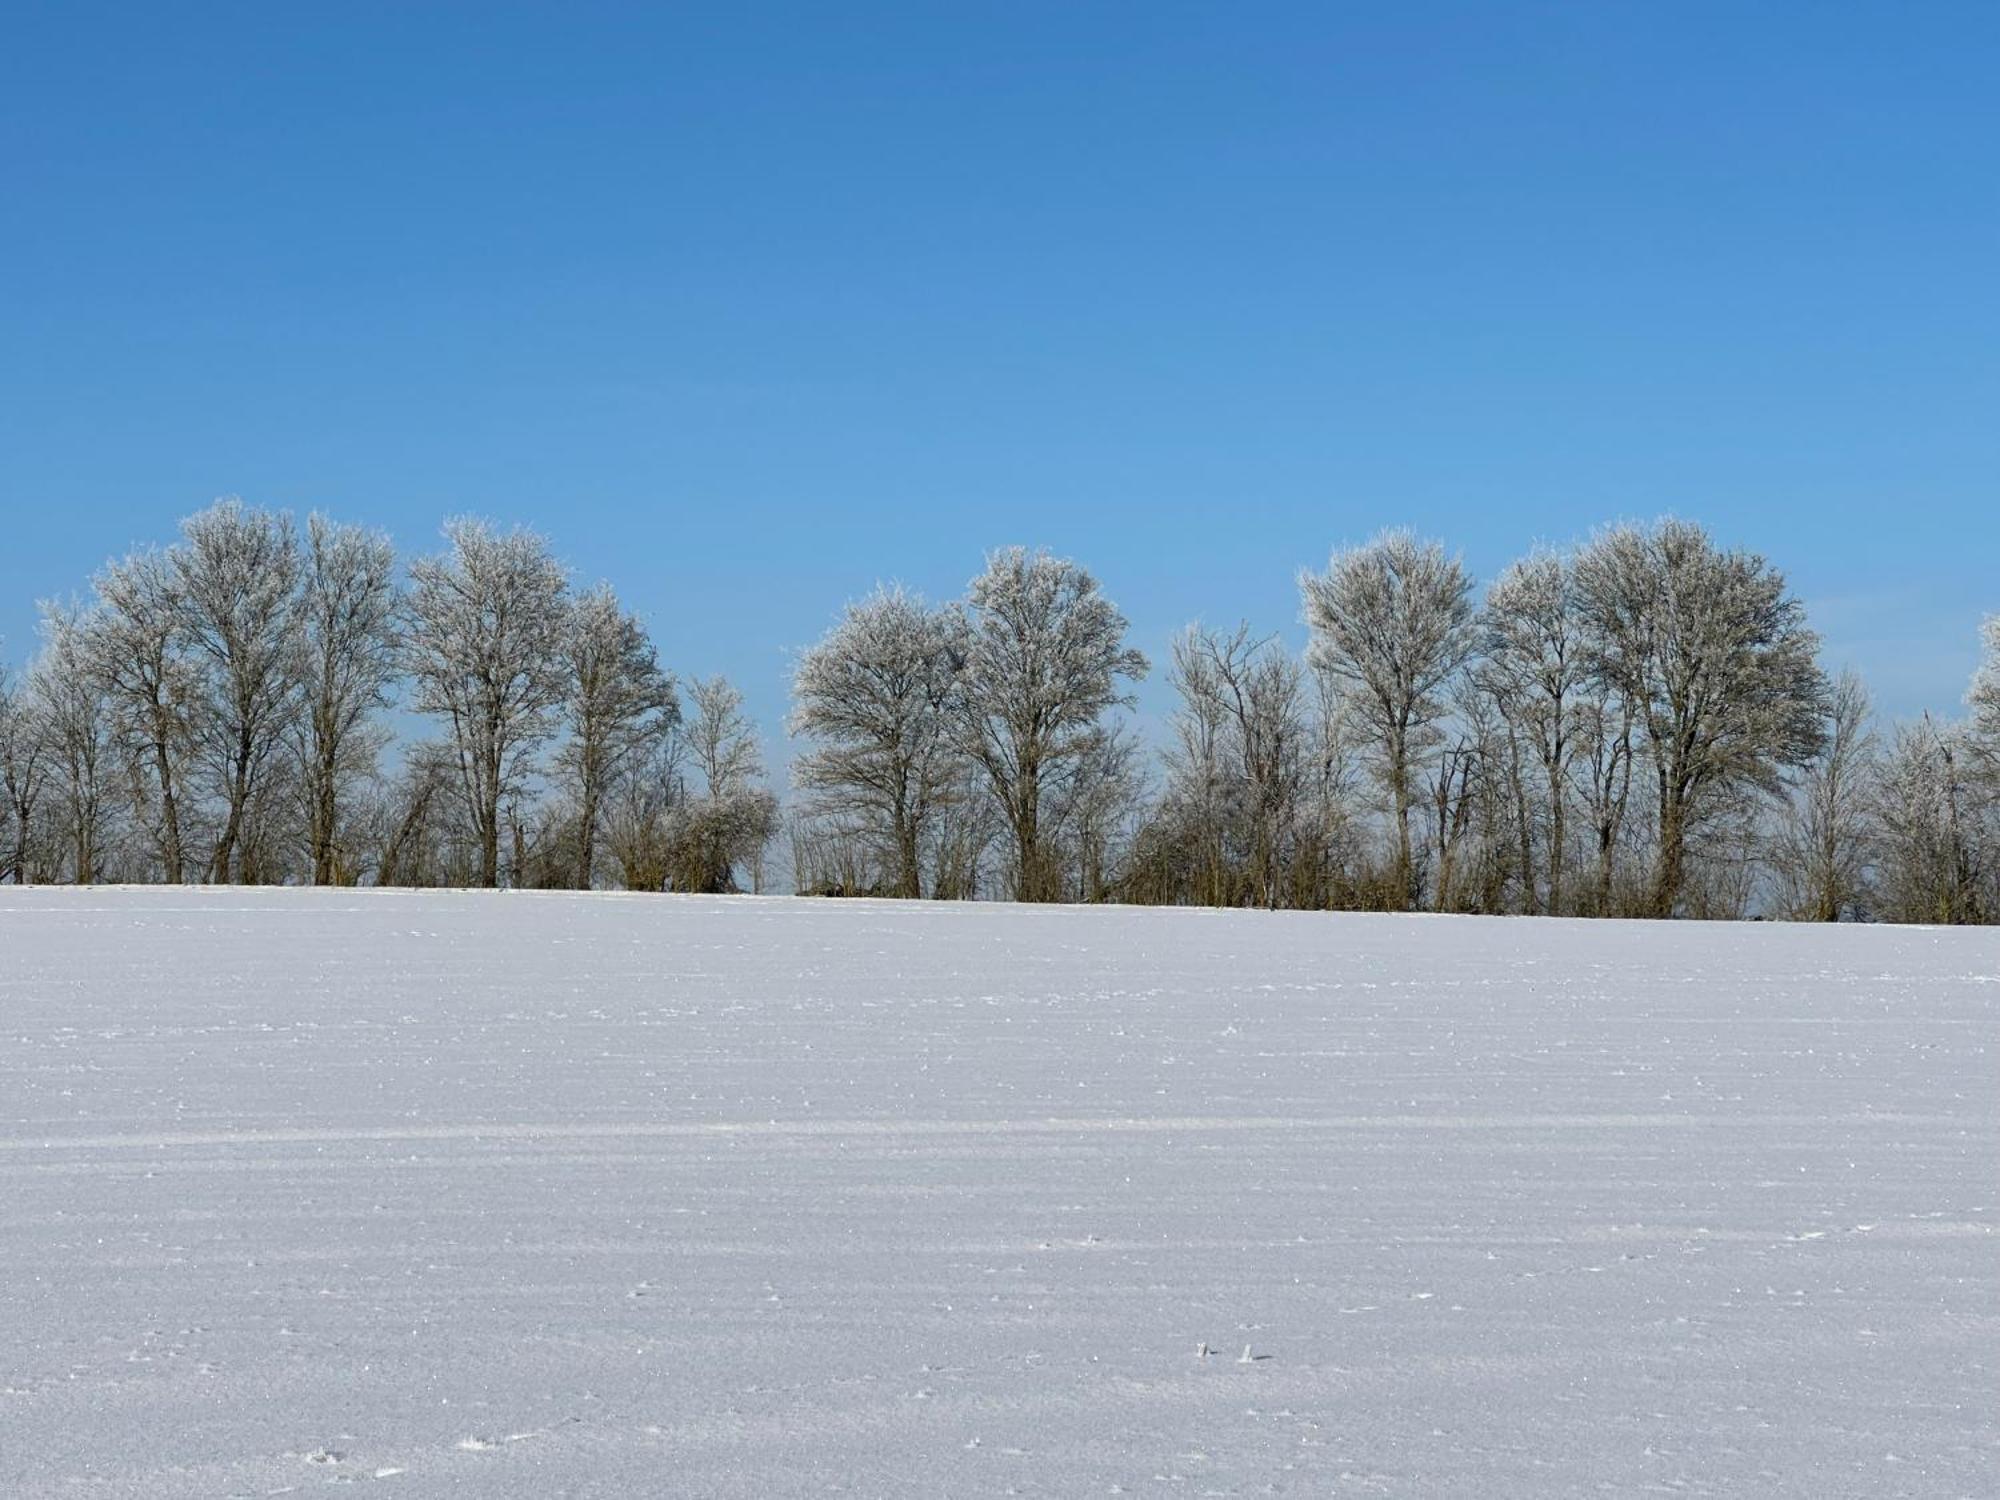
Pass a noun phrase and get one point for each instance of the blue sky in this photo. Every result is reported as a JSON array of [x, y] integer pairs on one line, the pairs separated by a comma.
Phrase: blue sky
[[749, 307]]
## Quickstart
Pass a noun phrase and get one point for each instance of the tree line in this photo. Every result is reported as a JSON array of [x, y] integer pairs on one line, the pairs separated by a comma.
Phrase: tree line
[[1637, 725], [220, 710]]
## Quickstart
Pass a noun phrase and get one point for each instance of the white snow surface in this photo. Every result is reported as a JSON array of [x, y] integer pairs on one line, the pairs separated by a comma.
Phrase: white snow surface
[[526, 1195]]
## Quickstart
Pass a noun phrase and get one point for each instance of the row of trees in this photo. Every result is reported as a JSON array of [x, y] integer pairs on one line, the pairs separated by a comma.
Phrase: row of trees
[[220, 710], [1637, 726]]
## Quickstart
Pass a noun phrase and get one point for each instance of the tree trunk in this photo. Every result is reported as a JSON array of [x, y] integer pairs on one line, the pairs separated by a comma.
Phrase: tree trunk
[[1028, 881], [322, 834], [1558, 833], [172, 856], [909, 871], [1523, 831], [324, 806], [486, 814], [1405, 881], [586, 835], [1669, 874], [232, 828]]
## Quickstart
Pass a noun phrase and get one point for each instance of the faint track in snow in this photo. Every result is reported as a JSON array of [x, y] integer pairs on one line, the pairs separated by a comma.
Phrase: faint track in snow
[[931, 1129]]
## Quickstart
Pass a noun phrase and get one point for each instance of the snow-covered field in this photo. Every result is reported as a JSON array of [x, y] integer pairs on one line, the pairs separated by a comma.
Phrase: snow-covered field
[[622, 1196]]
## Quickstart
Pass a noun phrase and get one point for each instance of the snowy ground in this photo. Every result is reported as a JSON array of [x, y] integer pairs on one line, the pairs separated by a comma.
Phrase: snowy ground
[[540, 1195]]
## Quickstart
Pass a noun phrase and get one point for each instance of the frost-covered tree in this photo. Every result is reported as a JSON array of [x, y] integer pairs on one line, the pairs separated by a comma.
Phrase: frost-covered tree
[[1264, 689], [1193, 835], [1095, 814], [1237, 767], [23, 772], [1534, 669], [484, 632], [159, 709], [345, 635], [874, 698], [1938, 810], [235, 580], [418, 826], [1392, 625], [829, 858], [1936, 862], [1463, 807], [1716, 659], [1044, 659], [1823, 847], [1326, 872], [728, 817], [640, 811], [1601, 774], [617, 704], [72, 714], [963, 833]]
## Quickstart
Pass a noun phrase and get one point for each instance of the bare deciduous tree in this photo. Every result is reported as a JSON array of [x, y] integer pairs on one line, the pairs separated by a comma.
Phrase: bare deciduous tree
[[235, 578], [418, 822], [1602, 773], [617, 704], [346, 644], [483, 644], [23, 770], [72, 715], [1237, 769], [728, 824], [1093, 816], [1044, 655], [831, 857], [640, 812], [963, 832], [1458, 794], [1822, 851], [1267, 699], [1716, 660], [874, 696], [1534, 669], [1934, 866], [1392, 624], [1327, 871], [155, 691], [1190, 832]]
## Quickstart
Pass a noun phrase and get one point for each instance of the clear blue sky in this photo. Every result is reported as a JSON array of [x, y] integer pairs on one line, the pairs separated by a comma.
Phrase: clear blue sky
[[749, 307]]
